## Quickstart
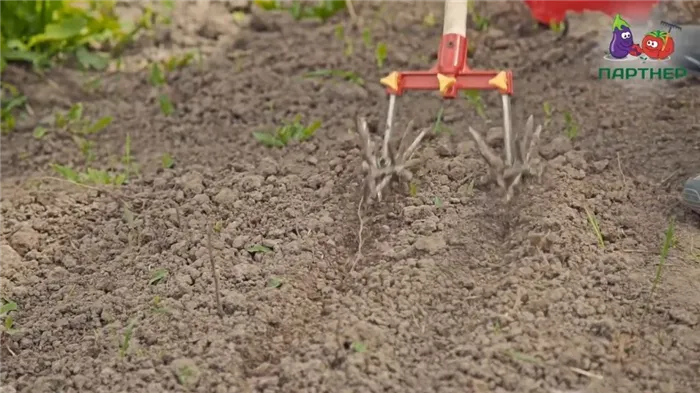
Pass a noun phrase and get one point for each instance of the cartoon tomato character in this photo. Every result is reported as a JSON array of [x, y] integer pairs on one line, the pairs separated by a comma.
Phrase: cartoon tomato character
[[657, 45]]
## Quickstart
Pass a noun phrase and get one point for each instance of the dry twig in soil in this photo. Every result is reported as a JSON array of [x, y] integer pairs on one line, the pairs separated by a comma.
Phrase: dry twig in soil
[[525, 161], [217, 288], [391, 165]]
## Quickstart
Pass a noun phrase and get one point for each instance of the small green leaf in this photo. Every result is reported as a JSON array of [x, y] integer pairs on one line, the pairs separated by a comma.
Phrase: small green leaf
[[167, 161], [99, 125], [158, 276], [309, 131], [412, 189], [367, 38], [258, 248], [9, 324], [340, 32], [274, 283], [268, 140], [437, 201], [157, 78], [66, 29], [67, 172], [39, 132], [166, 106], [7, 307], [75, 113], [92, 60], [380, 54], [358, 347]]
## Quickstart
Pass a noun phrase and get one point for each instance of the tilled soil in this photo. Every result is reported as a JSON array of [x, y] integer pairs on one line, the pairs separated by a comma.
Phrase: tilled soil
[[454, 290]]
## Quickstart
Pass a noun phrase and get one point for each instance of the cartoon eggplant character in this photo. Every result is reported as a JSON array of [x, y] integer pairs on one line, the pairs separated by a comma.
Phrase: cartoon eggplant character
[[658, 45], [622, 41]]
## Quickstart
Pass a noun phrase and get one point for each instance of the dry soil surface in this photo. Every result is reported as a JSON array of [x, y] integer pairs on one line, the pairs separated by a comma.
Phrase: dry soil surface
[[455, 291]]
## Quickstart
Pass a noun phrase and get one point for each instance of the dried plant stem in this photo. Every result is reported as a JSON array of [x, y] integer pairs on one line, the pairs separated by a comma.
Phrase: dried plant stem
[[214, 274]]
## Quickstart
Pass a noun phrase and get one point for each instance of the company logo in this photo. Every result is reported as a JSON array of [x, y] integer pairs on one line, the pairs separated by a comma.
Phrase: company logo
[[654, 49]]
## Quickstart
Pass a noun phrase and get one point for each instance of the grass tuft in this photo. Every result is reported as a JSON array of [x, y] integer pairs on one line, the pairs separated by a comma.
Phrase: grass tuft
[[593, 221], [665, 248]]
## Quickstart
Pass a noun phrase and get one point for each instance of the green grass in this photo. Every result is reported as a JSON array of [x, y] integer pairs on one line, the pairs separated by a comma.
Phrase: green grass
[[548, 112], [380, 54], [595, 226], [665, 248], [473, 97], [126, 339], [290, 131], [158, 276], [12, 100], [570, 125]]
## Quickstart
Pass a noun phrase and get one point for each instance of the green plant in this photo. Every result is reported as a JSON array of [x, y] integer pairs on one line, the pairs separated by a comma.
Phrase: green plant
[[167, 161], [323, 10], [157, 76], [548, 112], [290, 131], [79, 127], [166, 106], [429, 20], [130, 166], [358, 347], [90, 176], [557, 27], [481, 23], [438, 127], [8, 323], [412, 189], [11, 99], [473, 97], [437, 201], [178, 62], [570, 125], [126, 340], [593, 221], [349, 76], [367, 38], [39, 32], [258, 248], [158, 276], [380, 54], [665, 248], [274, 283]]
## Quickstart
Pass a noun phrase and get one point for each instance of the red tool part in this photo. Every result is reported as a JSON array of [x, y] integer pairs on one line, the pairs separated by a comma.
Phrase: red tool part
[[554, 11], [451, 73]]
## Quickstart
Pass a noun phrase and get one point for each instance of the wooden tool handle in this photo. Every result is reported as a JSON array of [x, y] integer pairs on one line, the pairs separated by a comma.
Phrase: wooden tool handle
[[455, 17]]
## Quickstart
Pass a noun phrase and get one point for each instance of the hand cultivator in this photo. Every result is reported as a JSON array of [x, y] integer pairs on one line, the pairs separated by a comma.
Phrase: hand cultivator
[[450, 75]]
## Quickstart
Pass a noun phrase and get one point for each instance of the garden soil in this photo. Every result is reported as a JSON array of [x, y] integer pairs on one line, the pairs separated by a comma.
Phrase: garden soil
[[453, 290]]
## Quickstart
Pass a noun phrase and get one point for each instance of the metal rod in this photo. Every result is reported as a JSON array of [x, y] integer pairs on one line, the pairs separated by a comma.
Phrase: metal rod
[[507, 130], [389, 126]]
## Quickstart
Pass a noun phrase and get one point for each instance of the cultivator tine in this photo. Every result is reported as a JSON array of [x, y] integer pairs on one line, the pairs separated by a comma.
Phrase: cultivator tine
[[507, 130], [389, 127]]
